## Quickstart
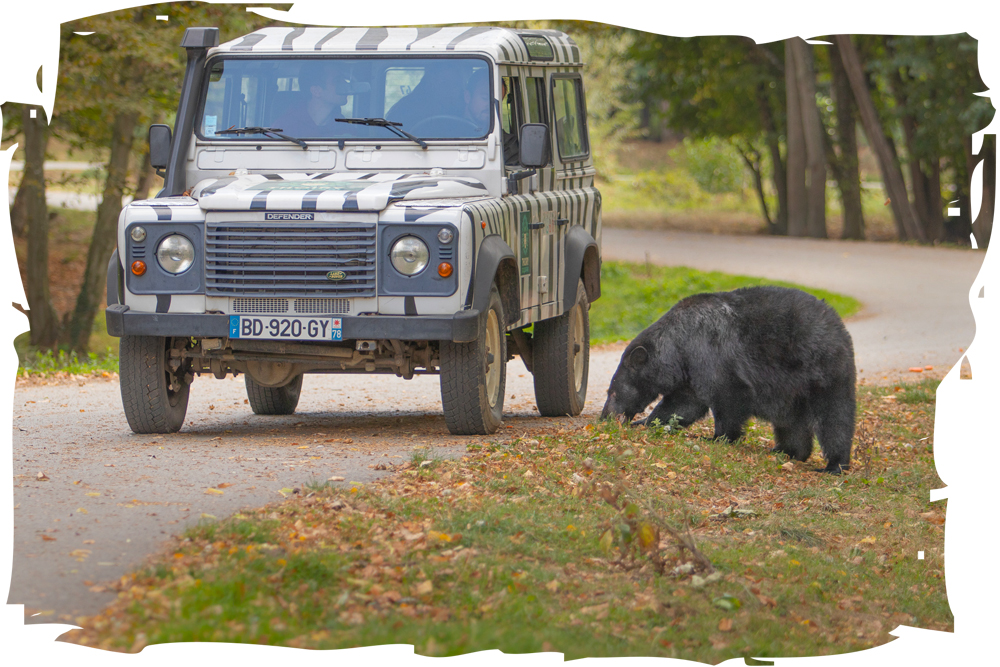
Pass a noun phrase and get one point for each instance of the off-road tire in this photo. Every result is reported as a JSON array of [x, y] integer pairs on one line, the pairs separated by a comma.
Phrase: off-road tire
[[560, 370], [151, 406], [274, 400], [472, 388]]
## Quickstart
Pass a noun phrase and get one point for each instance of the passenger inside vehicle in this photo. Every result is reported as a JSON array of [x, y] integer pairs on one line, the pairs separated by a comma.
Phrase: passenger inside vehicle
[[326, 89]]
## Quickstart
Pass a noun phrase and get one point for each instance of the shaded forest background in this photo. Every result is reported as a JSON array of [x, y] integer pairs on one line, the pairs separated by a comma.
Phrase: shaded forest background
[[810, 139]]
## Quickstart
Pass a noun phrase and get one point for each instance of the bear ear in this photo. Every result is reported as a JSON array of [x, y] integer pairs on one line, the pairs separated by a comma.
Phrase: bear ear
[[638, 357]]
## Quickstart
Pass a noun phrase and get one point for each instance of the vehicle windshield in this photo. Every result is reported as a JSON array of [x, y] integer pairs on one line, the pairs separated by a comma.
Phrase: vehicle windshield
[[431, 98]]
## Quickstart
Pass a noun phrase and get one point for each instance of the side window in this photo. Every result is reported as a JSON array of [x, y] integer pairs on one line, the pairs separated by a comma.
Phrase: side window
[[570, 117], [535, 87], [511, 119]]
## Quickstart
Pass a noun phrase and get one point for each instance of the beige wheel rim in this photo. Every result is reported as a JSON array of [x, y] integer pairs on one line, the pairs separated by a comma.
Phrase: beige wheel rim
[[493, 352], [578, 343]]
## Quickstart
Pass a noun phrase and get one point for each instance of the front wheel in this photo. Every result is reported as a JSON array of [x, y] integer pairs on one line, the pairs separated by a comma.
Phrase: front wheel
[[474, 376], [155, 382], [274, 400], [561, 359]]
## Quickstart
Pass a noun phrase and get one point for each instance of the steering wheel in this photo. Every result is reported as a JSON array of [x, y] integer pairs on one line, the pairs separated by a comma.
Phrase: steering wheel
[[440, 118]]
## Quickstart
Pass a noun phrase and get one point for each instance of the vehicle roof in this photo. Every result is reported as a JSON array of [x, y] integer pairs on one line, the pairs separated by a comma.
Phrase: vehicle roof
[[503, 44]]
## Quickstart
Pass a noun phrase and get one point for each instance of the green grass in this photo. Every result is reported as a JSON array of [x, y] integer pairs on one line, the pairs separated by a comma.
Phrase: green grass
[[47, 362], [633, 296], [514, 547]]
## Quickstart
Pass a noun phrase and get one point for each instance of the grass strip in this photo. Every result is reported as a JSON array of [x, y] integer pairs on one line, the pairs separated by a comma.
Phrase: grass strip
[[635, 295], [516, 546]]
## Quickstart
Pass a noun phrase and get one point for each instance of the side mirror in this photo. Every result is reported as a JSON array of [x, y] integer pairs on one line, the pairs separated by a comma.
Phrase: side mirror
[[159, 146], [534, 145]]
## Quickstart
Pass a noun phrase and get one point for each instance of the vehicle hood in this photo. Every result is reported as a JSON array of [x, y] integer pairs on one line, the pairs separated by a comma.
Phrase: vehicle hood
[[327, 192]]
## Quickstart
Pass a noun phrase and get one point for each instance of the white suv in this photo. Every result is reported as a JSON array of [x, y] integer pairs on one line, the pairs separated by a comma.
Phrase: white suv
[[364, 200]]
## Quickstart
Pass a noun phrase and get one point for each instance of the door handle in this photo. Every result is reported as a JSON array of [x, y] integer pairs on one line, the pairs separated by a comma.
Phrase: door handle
[[536, 225], [561, 221]]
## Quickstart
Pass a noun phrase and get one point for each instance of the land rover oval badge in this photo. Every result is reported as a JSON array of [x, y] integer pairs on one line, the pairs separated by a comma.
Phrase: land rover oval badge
[[336, 275]]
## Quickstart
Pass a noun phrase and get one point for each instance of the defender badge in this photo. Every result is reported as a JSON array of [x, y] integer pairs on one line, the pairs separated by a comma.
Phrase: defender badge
[[336, 275]]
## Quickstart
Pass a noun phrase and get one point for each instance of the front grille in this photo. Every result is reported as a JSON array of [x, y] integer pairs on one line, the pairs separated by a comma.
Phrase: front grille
[[259, 304], [293, 260], [323, 306]]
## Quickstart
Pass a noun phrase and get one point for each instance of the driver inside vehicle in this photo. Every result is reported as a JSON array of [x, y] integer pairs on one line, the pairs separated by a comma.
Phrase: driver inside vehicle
[[327, 91], [478, 100]]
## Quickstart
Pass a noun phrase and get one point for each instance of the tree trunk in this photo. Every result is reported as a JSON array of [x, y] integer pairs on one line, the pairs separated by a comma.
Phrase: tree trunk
[[795, 140], [928, 216], [752, 158], [42, 317], [812, 129], [983, 225], [777, 165], [103, 241], [18, 214], [145, 178], [906, 220], [935, 205], [848, 173]]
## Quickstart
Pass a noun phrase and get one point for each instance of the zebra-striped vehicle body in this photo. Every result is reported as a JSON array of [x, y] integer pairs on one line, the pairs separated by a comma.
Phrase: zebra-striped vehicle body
[[404, 200]]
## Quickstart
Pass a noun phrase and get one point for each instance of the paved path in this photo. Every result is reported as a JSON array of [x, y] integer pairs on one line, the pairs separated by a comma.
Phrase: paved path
[[113, 497]]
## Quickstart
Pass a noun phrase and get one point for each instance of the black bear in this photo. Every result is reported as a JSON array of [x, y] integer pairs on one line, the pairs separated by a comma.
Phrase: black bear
[[774, 353]]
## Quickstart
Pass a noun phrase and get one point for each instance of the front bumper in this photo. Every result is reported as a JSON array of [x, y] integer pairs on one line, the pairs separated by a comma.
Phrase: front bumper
[[462, 327]]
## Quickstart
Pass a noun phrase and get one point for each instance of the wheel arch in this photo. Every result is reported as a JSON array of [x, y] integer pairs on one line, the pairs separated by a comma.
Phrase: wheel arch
[[583, 260], [496, 263]]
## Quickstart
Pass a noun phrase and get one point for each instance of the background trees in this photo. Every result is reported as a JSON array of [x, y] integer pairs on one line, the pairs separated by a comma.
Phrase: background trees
[[915, 98]]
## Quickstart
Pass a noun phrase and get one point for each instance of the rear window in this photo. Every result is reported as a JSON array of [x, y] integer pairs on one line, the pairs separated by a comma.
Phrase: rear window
[[538, 47]]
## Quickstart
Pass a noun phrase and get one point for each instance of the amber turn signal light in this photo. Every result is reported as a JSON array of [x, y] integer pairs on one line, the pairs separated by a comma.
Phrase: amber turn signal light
[[138, 267], [444, 269]]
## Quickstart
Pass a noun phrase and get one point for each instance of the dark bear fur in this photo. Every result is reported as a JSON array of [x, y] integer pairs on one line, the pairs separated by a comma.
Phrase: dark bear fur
[[774, 353]]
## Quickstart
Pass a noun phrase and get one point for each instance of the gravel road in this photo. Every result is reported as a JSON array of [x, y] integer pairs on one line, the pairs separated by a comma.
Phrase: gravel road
[[111, 497]]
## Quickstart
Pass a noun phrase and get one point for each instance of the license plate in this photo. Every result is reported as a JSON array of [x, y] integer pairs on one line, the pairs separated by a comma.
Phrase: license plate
[[286, 328]]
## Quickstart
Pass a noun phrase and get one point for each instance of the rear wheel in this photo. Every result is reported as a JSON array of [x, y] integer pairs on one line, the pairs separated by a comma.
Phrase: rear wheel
[[474, 376], [274, 400], [561, 359], [155, 382]]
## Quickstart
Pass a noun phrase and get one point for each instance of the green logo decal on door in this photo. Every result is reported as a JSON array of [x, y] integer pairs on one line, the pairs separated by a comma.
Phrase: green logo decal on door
[[525, 242]]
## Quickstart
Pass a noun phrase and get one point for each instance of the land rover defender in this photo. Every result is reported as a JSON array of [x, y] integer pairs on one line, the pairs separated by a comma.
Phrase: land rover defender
[[364, 200]]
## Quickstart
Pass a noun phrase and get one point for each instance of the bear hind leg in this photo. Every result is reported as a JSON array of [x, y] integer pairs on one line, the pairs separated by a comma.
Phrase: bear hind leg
[[795, 441], [728, 426], [835, 434]]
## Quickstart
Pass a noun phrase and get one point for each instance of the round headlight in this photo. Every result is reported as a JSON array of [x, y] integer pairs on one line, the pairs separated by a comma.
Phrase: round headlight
[[175, 254], [445, 235], [138, 234], [409, 255]]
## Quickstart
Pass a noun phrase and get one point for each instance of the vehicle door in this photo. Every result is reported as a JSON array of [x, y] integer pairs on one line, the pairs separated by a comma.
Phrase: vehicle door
[[573, 173], [539, 238]]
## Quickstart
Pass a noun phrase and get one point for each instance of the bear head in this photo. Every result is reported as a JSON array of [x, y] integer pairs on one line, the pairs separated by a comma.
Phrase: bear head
[[632, 389]]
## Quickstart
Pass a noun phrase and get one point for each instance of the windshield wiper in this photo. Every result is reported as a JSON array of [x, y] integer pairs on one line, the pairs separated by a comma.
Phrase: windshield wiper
[[387, 124], [276, 131]]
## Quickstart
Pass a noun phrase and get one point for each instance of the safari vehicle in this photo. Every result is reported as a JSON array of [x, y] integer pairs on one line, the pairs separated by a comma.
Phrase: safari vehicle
[[364, 200]]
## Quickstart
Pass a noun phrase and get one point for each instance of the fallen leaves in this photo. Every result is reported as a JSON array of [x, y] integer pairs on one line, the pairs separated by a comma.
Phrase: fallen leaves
[[400, 559], [932, 517], [41, 476], [214, 492]]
